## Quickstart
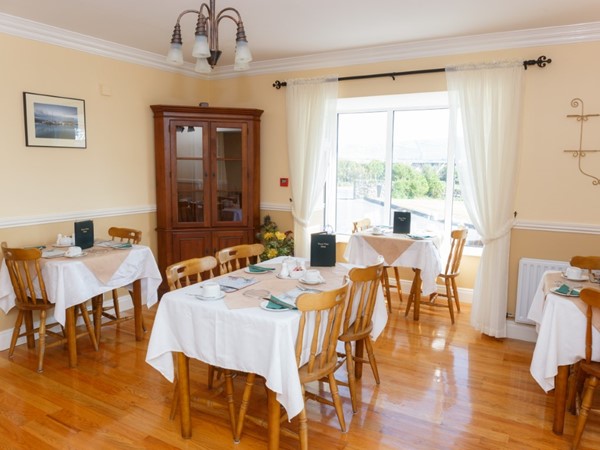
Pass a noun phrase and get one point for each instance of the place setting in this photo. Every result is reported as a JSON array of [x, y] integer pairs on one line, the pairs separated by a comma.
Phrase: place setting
[[209, 291]]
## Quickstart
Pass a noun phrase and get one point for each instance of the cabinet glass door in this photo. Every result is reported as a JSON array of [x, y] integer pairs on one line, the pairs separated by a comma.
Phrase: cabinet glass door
[[190, 172], [230, 174]]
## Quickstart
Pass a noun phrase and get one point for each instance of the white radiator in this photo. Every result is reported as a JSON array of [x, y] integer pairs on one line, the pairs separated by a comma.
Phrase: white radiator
[[530, 275]]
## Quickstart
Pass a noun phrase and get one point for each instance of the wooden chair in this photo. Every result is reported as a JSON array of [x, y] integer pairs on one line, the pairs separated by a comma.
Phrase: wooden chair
[[361, 225], [363, 294], [451, 272], [324, 309], [185, 273], [590, 369], [239, 256], [26, 277], [118, 234]]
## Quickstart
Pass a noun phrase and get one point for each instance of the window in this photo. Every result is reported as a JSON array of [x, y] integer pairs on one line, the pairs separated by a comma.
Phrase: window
[[392, 154]]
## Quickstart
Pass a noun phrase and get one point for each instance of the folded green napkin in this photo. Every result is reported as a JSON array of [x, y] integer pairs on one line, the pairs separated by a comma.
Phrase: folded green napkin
[[565, 289], [275, 303], [258, 269]]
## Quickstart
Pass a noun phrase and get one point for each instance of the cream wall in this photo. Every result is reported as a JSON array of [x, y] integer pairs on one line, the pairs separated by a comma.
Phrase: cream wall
[[112, 181]]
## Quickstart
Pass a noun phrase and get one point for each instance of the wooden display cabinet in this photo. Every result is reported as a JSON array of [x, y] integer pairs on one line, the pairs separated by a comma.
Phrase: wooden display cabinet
[[207, 180]]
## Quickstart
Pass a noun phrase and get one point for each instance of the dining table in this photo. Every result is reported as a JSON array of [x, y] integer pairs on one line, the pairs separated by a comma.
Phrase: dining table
[[71, 281], [417, 251], [560, 320], [239, 332]]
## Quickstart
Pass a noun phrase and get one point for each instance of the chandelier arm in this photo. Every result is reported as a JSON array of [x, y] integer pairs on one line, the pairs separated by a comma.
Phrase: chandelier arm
[[222, 15]]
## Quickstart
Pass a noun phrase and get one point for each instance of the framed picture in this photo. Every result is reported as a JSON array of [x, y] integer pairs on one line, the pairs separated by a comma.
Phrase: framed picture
[[52, 121]]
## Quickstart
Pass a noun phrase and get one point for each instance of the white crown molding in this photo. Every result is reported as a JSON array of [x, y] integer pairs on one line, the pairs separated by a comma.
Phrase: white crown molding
[[557, 227], [13, 222], [568, 34]]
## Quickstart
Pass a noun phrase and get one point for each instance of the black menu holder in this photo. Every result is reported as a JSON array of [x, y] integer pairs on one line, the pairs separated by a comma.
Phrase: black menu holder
[[84, 234], [401, 222], [322, 250]]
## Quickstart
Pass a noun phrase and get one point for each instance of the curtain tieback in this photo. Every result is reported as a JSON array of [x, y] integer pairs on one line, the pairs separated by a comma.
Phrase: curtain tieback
[[500, 234], [304, 223]]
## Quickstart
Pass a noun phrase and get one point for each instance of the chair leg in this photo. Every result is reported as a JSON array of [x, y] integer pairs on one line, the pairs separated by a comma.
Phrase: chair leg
[[372, 361], [398, 285], [449, 294], [455, 293], [386, 289], [573, 388], [88, 325], [115, 296], [230, 404], [42, 342], [337, 402], [244, 406], [351, 377], [586, 403], [15, 334]]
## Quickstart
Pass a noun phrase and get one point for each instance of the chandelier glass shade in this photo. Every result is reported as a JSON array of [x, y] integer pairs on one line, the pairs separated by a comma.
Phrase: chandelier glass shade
[[206, 42]]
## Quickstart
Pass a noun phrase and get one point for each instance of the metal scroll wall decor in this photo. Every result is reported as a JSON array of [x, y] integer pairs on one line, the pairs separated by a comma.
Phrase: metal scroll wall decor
[[580, 154]]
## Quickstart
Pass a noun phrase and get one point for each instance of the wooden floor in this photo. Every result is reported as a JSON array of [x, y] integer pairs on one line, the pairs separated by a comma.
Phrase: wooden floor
[[443, 387]]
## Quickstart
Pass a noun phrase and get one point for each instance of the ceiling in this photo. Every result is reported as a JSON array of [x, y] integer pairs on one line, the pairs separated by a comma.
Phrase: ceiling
[[278, 29]]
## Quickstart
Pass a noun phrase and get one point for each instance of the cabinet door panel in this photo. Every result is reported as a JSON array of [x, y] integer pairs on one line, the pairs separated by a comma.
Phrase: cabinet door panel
[[192, 245], [230, 173], [224, 239], [189, 174]]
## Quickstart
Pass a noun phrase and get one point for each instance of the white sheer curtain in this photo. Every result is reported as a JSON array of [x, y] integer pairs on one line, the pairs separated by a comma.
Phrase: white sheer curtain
[[485, 110], [311, 120]]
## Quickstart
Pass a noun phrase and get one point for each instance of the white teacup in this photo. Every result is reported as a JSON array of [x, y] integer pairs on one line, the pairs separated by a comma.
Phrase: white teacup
[[312, 276], [574, 273], [377, 230], [64, 240], [73, 251], [211, 289]]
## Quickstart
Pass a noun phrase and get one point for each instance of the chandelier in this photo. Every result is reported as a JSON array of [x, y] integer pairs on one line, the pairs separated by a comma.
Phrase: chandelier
[[206, 44]]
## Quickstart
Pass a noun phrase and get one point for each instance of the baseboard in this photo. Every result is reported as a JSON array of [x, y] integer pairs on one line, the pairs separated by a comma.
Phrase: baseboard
[[125, 303], [520, 331]]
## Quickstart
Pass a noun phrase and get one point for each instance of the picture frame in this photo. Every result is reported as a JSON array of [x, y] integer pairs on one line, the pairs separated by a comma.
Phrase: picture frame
[[52, 121]]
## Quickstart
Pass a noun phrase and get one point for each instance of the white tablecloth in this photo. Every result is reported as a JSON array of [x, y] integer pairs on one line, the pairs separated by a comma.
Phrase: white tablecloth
[[70, 282], [422, 254], [561, 335], [248, 339]]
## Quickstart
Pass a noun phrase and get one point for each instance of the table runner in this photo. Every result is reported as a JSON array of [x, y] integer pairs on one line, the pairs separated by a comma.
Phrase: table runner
[[103, 262], [333, 277], [386, 247]]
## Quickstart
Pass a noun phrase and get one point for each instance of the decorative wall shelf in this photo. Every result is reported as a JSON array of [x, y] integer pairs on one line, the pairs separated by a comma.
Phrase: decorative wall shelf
[[581, 153]]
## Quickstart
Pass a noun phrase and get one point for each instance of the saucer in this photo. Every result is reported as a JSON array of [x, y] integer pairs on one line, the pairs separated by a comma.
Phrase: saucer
[[582, 278], [302, 280], [75, 256], [257, 272], [209, 299], [62, 245], [264, 304], [381, 233]]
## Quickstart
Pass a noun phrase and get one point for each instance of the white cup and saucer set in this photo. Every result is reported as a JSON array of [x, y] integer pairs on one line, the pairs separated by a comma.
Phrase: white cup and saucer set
[[575, 274], [210, 291], [312, 276]]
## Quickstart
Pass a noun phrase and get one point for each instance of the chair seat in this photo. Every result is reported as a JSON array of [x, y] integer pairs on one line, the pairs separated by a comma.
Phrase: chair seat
[[350, 335]]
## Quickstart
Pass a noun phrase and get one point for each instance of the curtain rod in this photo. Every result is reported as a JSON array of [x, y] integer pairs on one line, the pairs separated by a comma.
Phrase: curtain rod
[[540, 62]]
